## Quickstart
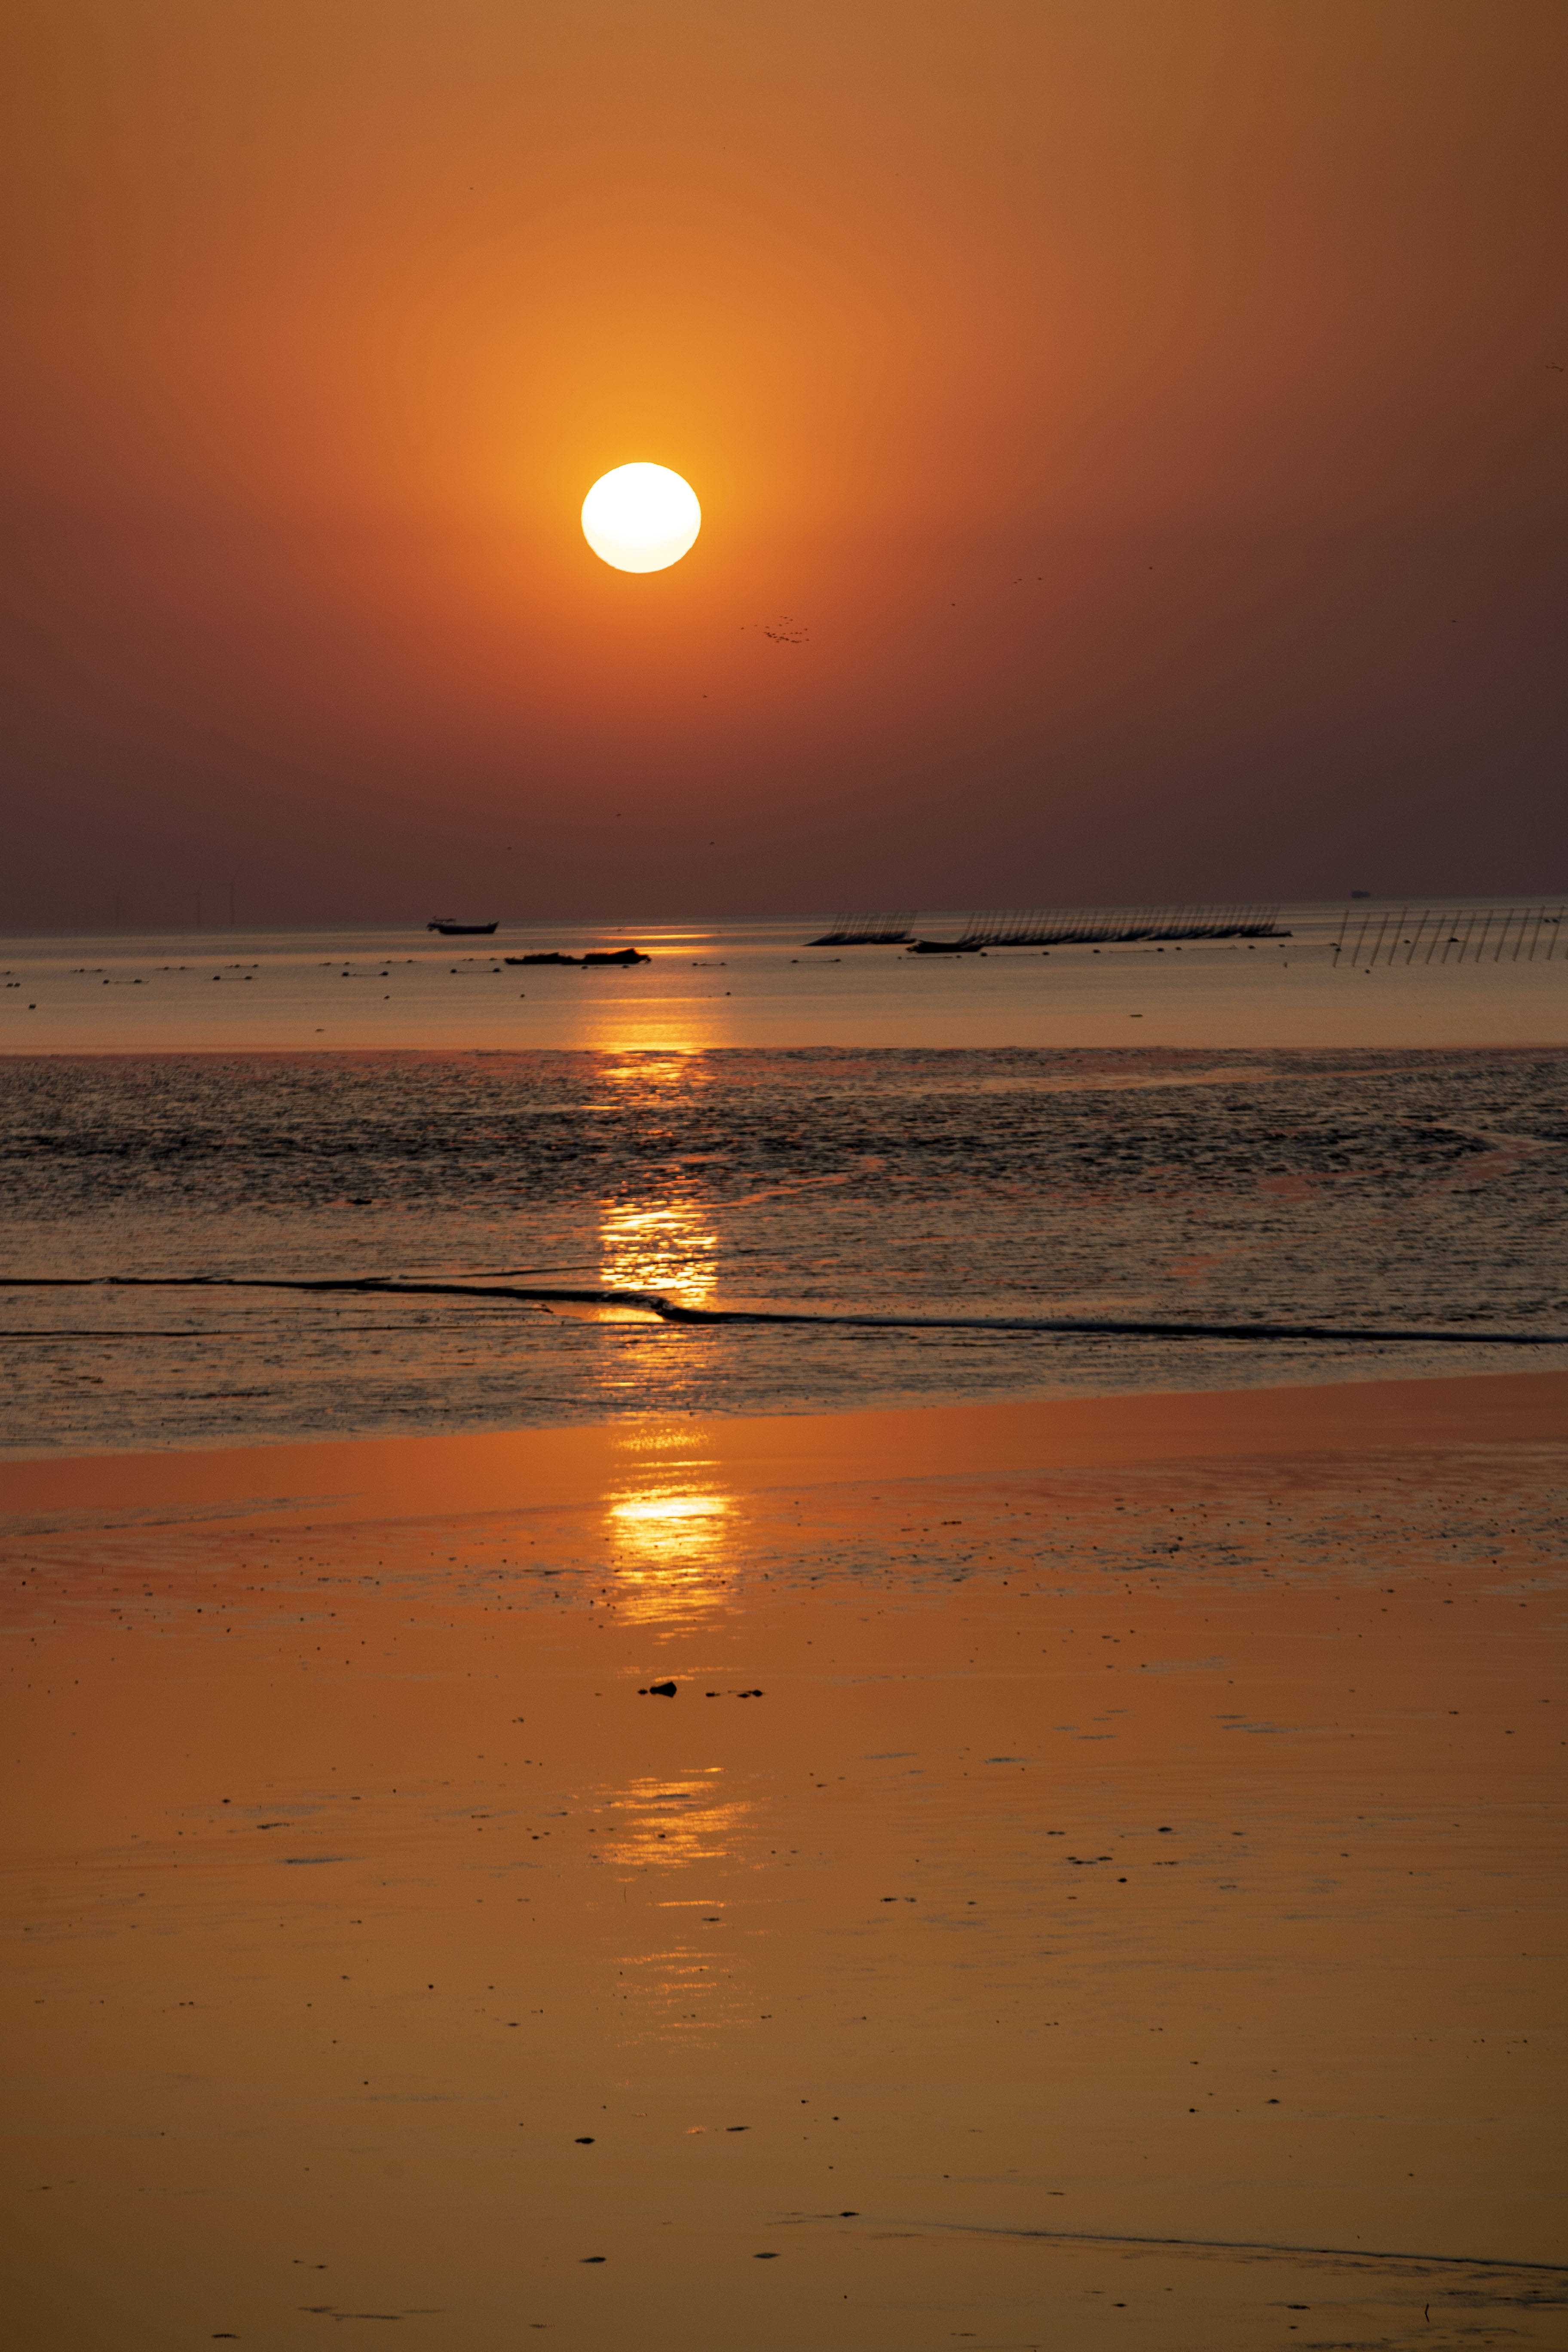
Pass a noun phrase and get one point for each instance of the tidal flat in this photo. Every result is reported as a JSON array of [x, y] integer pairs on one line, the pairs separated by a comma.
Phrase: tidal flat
[[384, 1949]]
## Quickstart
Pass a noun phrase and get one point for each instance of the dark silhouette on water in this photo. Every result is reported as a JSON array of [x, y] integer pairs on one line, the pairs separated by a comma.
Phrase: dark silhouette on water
[[1060, 927], [865, 931], [623, 957], [1070, 925], [451, 931], [1519, 930]]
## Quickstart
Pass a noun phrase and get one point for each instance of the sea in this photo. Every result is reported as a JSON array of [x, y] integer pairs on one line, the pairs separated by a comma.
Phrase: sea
[[1219, 1165]]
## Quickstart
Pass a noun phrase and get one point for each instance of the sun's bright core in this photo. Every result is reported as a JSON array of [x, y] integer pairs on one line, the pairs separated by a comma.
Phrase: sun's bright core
[[641, 518]]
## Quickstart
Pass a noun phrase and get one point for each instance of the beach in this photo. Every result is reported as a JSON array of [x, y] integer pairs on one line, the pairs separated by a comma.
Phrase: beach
[[784, 1293], [674, 1687], [389, 1949]]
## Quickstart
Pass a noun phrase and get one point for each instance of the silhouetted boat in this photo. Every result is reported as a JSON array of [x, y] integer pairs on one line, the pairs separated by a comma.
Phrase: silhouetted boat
[[450, 930], [946, 947], [620, 956]]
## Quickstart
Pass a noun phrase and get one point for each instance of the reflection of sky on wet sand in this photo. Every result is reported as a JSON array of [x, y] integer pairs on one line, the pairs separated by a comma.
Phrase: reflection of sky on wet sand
[[683, 1985], [672, 1824], [668, 1544], [679, 1991]]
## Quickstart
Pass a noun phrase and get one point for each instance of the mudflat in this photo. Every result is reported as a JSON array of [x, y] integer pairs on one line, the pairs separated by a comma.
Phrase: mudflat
[[383, 1947]]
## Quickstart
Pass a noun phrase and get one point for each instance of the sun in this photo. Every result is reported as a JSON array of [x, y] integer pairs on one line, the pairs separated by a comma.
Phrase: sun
[[641, 518]]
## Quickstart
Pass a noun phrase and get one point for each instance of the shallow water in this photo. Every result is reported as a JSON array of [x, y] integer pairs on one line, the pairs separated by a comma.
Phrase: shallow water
[[1382, 976], [1365, 1190]]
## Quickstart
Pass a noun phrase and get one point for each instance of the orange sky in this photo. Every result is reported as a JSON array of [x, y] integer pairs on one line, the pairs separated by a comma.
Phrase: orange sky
[[1151, 410]]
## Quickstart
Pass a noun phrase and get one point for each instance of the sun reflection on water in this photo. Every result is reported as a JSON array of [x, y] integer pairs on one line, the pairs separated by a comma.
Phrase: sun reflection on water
[[665, 1245], [673, 1822], [669, 1550], [682, 1985], [667, 1528], [664, 1241]]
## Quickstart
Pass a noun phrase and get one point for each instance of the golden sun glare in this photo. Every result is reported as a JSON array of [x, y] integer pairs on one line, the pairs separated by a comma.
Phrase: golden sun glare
[[641, 518]]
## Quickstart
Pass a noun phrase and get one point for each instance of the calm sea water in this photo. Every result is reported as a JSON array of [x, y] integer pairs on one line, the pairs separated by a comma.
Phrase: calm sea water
[[1364, 1187], [1402, 976]]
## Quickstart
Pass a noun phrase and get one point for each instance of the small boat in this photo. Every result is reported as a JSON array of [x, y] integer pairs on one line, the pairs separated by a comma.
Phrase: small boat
[[946, 947], [450, 930], [622, 957]]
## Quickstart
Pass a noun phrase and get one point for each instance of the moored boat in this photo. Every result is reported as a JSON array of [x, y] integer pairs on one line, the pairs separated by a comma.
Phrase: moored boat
[[623, 957]]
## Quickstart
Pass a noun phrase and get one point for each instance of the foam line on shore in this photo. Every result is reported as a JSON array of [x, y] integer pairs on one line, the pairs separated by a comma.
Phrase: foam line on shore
[[668, 1310]]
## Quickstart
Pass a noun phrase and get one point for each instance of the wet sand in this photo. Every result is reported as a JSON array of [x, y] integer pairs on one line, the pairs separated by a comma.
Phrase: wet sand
[[383, 1950]]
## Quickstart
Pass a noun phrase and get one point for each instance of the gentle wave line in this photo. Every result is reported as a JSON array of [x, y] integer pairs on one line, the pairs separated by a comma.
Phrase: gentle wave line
[[670, 1310]]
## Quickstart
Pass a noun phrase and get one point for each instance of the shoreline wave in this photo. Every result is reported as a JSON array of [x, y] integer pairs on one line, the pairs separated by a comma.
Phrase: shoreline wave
[[669, 1311]]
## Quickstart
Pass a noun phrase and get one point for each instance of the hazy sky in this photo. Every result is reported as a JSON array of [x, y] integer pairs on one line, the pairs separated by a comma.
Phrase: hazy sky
[[1153, 412]]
